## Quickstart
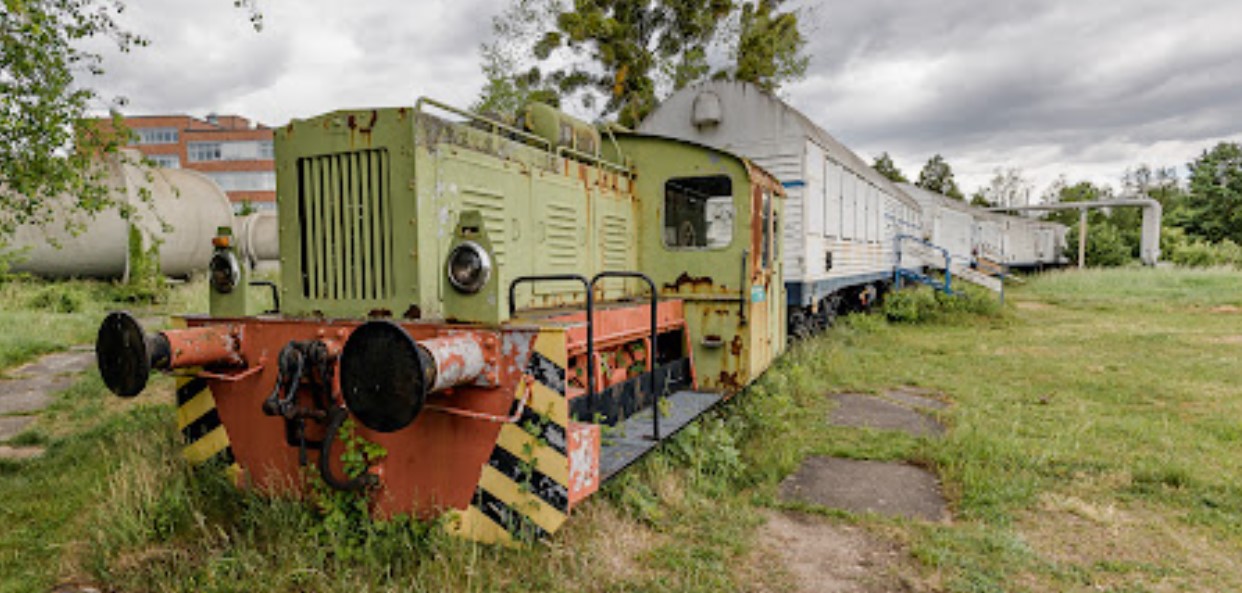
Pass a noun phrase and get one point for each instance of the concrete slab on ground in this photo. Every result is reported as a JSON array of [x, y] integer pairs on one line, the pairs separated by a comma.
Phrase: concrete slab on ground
[[893, 489], [11, 426], [916, 397], [866, 411], [29, 388]]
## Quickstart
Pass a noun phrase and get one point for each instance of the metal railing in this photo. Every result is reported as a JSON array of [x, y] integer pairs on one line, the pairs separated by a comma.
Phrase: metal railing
[[589, 287]]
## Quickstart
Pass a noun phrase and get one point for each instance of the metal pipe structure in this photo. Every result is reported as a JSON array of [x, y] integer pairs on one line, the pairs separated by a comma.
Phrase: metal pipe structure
[[259, 238], [1153, 212]]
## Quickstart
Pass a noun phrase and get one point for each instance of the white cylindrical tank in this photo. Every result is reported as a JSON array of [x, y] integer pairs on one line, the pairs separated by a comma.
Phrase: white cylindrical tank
[[259, 236], [177, 208]]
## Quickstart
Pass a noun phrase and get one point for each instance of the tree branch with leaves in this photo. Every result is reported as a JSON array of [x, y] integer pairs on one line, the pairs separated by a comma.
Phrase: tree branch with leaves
[[47, 142], [618, 58]]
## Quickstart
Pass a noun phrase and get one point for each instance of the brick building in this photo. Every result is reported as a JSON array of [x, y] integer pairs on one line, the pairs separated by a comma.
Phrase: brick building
[[233, 151]]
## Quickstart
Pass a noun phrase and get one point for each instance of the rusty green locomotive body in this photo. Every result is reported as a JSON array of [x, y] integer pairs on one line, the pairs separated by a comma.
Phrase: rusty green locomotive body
[[478, 298]]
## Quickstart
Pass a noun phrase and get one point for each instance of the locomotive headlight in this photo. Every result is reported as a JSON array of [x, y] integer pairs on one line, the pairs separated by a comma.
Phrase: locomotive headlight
[[225, 271], [469, 267]]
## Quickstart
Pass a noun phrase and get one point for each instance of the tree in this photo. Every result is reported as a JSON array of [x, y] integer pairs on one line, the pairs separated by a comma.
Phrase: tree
[[980, 199], [617, 58], [46, 144], [1007, 188], [937, 176], [1214, 203], [884, 166]]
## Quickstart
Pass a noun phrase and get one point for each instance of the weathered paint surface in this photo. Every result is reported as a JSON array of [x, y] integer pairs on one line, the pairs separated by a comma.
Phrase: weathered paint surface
[[462, 358], [514, 431], [216, 345], [733, 299], [371, 201]]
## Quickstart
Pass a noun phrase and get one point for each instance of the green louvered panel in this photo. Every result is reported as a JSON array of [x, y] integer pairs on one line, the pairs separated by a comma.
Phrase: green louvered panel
[[344, 208]]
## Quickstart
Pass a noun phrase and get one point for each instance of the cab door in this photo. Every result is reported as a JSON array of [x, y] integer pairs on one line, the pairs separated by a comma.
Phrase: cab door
[[764, 326]]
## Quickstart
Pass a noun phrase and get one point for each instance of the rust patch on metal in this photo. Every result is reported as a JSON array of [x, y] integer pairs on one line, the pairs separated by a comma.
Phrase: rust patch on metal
[[462, 359], [204, 346], [414, 312], [379, 313], [696, 283], [729, 381], [736, 345]]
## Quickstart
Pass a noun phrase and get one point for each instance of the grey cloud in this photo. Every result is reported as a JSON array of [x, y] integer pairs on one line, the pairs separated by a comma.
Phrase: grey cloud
[[1001, 76]]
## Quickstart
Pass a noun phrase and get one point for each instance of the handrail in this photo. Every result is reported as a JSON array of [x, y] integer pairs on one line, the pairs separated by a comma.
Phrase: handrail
[[948, 259], [590, 314], [652, 355], [561, 151], [418, 108]]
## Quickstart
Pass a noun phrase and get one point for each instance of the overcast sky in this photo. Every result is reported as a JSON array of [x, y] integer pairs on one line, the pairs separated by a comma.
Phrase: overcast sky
[[1084, 88]]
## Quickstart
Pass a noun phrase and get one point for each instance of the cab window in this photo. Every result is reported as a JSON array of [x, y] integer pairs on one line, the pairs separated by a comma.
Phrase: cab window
[[767, 229], [698, 212]]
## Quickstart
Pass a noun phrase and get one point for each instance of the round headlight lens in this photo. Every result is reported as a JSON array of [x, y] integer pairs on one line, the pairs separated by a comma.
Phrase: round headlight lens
[[225, 272], [469, 267]]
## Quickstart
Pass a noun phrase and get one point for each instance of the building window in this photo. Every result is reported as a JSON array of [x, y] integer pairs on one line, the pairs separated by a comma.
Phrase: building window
[[244, 180], [167, 161], [250, 150], [698, 212], [203, 151], [155, 135]]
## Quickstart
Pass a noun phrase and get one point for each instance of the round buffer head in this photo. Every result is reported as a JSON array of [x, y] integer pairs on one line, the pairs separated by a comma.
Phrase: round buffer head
[[123, 354], [384, 376]]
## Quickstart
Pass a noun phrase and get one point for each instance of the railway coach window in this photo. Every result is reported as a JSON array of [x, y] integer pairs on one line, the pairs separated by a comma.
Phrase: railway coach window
[[698, 212]]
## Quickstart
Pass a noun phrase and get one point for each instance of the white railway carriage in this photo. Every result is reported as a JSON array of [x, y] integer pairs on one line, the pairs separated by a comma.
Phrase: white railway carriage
[[947, 223], [969, 233], [842, 218]]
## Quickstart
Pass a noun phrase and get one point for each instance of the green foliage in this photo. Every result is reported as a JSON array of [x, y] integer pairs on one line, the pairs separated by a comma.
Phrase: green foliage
[[884, 166], [346, 516], [59, 298], [1178, 247], [145, 282], [1107, 245], [619, 57], [922, 304], [40, 104], [937, 176], [1214, 204], [768, 49]]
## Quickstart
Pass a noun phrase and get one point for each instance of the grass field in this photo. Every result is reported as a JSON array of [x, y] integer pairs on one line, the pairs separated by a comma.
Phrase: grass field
[[1092, 446]]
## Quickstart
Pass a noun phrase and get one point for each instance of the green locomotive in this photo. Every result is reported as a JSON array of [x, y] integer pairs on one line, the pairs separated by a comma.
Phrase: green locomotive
[[481, 299]]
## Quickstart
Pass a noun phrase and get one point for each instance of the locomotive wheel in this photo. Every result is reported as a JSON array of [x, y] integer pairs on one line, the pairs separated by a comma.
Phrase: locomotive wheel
[[799, 326], [385, 376]]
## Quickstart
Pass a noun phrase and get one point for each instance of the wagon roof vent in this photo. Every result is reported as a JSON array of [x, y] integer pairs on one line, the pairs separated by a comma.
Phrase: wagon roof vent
[[707, 111]]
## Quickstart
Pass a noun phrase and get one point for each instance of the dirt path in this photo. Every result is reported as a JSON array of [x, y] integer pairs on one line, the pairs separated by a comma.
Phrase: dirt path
[[822, 556]]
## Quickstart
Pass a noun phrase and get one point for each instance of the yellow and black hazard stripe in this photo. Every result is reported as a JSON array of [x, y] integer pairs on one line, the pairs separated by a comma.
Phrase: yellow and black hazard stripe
[[200, 426], [523, 491]]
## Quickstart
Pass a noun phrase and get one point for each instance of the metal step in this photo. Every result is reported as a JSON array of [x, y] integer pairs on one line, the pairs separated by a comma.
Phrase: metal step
[[628, 441], [976, 277]]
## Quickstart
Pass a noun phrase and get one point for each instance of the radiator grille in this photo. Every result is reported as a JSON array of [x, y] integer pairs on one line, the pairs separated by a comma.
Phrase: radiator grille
[[345, 214]]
